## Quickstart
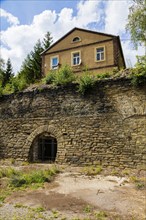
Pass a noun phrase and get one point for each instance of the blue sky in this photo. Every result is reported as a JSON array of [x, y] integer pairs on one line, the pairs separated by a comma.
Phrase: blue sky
[[26, 9], [24, 22]]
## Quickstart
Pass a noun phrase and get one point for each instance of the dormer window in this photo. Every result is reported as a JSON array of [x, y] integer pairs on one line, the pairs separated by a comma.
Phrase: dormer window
[[76, 39]]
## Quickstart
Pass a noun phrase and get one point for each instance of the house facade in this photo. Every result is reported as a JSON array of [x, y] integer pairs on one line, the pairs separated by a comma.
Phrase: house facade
[[84, 49]]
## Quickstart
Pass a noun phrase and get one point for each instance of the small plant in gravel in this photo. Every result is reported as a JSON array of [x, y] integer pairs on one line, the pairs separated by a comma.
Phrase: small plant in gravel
[[39, 209], [101, 215], [140, 183], [55, 213], [87, 209]]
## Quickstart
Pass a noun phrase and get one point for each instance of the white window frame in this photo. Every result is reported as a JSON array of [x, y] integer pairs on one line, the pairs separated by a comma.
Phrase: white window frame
[[100, 54], [51, 62], [76, 58]]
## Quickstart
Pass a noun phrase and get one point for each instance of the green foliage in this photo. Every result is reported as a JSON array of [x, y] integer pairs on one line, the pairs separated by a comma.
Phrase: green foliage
[[87, 209], [140, 183], [64, 76], [103, 75], [50, 77], [101, 215], [23, 179], [47, 41], [6, 74], [92, 170], [86, 83], [138, 76], [18, 84], [137, 22], [8, 172], [31, 67], [1, 89]]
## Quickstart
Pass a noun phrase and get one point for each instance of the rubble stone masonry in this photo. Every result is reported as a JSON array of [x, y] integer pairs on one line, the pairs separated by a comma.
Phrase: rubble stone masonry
[[106, 126]]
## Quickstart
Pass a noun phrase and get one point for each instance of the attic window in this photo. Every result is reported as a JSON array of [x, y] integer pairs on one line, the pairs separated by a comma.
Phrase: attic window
[[76, 39]]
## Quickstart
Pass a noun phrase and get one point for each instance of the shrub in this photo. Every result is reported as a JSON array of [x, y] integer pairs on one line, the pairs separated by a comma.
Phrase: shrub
[[138, 76], [7, 89], [1, 90], [103, 75], [64, 76], [49, 79], [18, 84], [86, 83]]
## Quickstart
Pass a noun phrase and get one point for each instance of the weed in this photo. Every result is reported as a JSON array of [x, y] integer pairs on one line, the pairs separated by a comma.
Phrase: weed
[[140, 183], [18, 205], [39, 209], [55, 213], [115, 172], [87, 209], [101, 215], [3, 194], [34, 179], [126, 172], [8, 172], [92, 170]]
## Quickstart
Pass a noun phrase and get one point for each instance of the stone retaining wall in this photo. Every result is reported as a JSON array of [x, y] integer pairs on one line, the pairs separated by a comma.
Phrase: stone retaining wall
[[107, 126]]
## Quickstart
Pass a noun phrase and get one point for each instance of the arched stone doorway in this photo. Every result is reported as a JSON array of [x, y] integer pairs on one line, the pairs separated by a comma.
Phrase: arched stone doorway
[[43, 149], [47, 149]]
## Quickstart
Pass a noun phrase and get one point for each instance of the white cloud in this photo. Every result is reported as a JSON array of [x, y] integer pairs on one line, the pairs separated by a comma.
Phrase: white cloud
[[9, 17], [116, 15], [18, 40], [130, 53]]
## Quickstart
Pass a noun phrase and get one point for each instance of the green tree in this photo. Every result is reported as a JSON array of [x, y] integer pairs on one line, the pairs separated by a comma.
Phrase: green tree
[[47, 41], [9, 71], [137, 22], [31, 67]]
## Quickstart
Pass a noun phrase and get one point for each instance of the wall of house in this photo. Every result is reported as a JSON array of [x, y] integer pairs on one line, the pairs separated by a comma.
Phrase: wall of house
[[107, 126], [87, 57]]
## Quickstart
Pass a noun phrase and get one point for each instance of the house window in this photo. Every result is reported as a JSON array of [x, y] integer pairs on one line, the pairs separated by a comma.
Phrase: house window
[[76, 58], [76, 39], [54, 62], [100, 53]]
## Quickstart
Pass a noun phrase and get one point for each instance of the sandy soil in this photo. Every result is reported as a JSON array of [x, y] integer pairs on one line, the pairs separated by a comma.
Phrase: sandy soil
[[71, 192]]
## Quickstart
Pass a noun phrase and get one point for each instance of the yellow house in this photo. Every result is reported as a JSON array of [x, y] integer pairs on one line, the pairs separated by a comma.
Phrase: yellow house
[[84, 49]]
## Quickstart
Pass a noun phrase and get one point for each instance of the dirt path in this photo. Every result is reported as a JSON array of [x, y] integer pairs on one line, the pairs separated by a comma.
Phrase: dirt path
[[78, 196]]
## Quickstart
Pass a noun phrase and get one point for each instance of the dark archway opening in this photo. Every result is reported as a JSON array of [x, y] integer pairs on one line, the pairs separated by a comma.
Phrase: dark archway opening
[[47, 149]]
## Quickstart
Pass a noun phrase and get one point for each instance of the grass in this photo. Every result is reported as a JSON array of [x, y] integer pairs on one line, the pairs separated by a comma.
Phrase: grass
[[87, 209], [8, 172], [19, 180], [92, 170], [101, 215], [33, 178], [140, 183]]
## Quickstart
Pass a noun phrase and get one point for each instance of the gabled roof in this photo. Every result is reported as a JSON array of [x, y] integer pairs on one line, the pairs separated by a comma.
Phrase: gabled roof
[[79, 29]]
